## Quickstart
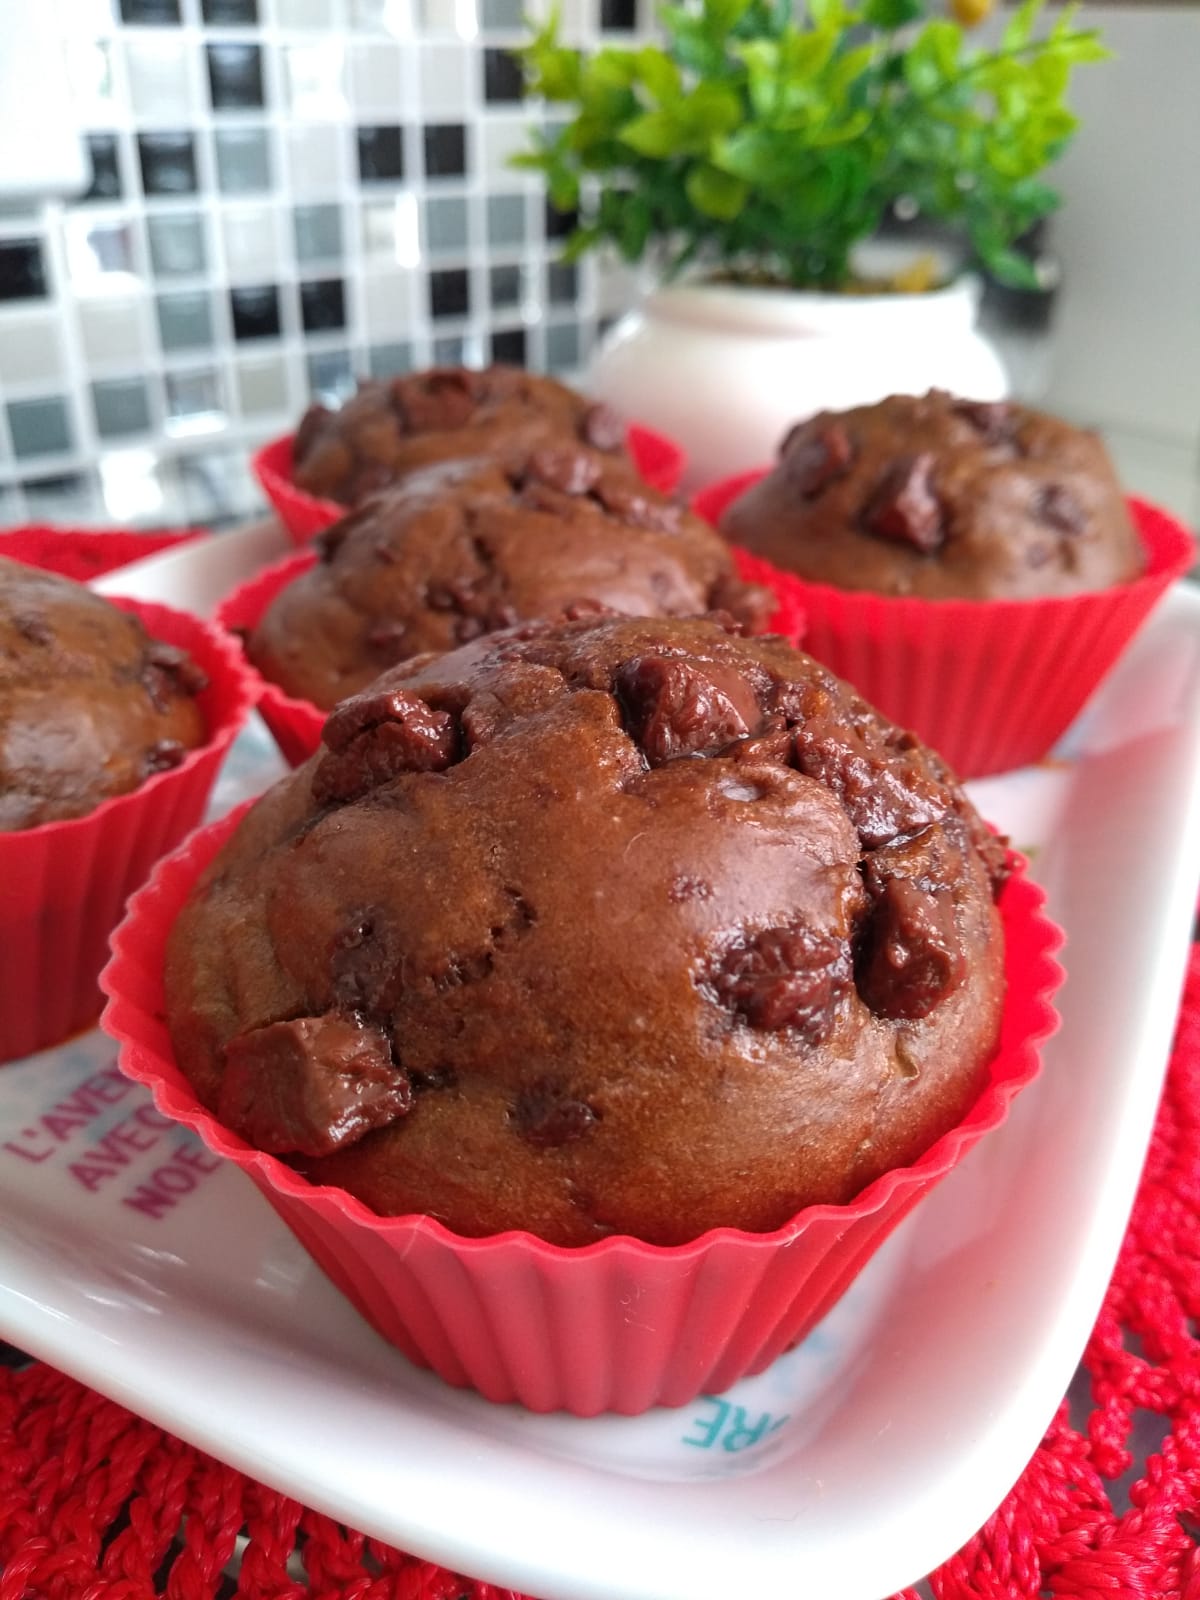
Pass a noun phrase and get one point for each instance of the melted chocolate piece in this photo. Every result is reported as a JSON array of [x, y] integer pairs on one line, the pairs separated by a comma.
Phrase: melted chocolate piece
[[546, 1116], [602, 428], [311, 1086], [34, 629], [563, 468], [994, 419], [439, 401], [162, 757], [675, 708], [905, 507], [1058, 508], [814, 455], [784, 978], [913, 955], [374, 736], [881, 797], [169, 672]]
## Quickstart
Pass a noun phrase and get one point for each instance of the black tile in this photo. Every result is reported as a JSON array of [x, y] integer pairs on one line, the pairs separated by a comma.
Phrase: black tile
[[232, 13], [449, 293], [106, 169], [508, 345], [445, 150], [505, 285], [255, 312], [150, 11], [235, 78], [562, 283], [560, 223], [168, 163], [380, 154], [22, 270], [323, 305], [503, 80], [618, 15]]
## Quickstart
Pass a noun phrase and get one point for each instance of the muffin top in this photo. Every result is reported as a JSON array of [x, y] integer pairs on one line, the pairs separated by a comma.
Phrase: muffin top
[[390, 429], [468, 547], [942, 498], [612, 925], [90, 705]]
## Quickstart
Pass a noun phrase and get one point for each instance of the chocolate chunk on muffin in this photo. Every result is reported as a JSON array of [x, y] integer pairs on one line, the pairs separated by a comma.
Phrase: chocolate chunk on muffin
[[387, 430], [942, 498], [465, 548], [612, 925], [90, 705]]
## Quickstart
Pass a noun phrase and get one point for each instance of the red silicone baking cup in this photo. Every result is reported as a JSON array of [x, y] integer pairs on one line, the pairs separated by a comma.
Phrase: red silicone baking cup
[[63, 886], [84, 553], [991, 684], [295, 724], [521, 1320], [659, 460]]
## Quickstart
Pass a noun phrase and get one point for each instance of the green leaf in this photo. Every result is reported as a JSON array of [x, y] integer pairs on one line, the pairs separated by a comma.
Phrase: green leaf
[[611, 69], [655, 133], [658, 74], [723, 16], [1010, 266], [712, 109], [891, 14], [829, 14], [1020, 29], [715, 193]]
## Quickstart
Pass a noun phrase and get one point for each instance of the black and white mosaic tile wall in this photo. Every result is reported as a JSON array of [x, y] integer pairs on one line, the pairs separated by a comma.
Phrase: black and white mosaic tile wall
[[286, 194]]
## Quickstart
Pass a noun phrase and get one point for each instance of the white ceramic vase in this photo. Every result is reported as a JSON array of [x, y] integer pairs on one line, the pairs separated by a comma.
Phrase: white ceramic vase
[[726, 370]]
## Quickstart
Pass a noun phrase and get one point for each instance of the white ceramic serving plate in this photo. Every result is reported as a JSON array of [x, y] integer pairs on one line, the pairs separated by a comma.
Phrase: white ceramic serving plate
[[852, 1467]]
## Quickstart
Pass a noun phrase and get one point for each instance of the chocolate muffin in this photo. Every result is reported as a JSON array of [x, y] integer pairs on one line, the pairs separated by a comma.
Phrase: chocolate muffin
[[90, 705], [600, 926], [942, 498], [468, 547], [388, 430]]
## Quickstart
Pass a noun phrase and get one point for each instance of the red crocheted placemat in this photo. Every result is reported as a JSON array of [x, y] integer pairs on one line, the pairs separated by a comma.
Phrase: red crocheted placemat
[[96, 1504]]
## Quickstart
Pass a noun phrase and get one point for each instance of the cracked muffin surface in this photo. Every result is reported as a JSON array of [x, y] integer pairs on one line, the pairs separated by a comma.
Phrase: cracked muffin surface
[[944, 498], [90, 705], [605, 925], [470, 547], [388, 429]]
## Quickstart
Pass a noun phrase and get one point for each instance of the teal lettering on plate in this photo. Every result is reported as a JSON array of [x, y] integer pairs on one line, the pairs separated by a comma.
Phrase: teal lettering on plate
[[730, 1427]]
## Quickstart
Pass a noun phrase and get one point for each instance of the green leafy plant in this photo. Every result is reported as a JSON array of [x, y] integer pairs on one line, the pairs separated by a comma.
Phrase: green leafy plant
[[767, 146]]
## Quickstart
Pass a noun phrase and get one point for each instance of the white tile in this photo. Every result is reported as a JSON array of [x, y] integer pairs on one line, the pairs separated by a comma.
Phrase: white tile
[[160, 85], [391, 231], [252, 253], [86, 16], [305, 13], [31, 349], [390, 301], [500, 138], [383, 16], [315, 75], [376, 81], [114, 332], [315, 159], [262, 387], [438, 16], [90, 68], [444, 74]]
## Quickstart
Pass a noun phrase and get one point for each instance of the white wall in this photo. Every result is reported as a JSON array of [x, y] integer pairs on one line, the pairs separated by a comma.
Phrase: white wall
[[1127, 334]]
